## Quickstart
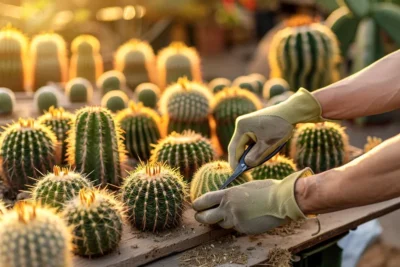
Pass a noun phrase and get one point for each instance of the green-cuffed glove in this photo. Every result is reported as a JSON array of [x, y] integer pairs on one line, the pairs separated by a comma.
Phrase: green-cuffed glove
[[254, 207], [271, 127]]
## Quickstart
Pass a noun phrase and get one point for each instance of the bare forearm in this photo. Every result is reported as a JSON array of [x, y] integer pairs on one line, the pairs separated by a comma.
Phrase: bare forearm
[[372, 178], [374, 90]]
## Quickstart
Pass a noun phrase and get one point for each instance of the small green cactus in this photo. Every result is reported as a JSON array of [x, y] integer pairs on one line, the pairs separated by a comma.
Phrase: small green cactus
[[58, 187], [79, 90], [34, 236], [95, 146], [247, 83], [111, 80], [46, 97], [7, 101], [154, 195], [259, 79], [213, 175], [274, 87], [148, 94], [115, 101], [141, 129], [97, 219], [27, 149], [320, 146], [218, 84], [276, 168]]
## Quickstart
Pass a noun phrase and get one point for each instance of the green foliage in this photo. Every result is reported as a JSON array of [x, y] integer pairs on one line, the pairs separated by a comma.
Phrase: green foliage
[[7, 101], [276, 168]]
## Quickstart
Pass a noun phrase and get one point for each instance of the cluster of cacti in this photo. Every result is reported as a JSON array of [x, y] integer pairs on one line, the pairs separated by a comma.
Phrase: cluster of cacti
[[79, 90], [213, 175], [48, 58], [177, 61], [277, 168], [13, 52], [7, 101], [27, 150], [148, 94], [95, 146], [136, 60], [187, 151], [141, 129], [248, 83], [187, 105], [115, 100], [372, 142], [229, 104], [32, 235], [218, 84], [97, 220], [320, 146], [274, 87], [58, 187], [46, 97], [86, 61], [111, 80], [154, 195], [305, 54]]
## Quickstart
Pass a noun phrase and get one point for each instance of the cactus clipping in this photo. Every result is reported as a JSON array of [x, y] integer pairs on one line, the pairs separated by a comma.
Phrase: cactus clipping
[[187, 105], [148, 94], [229, 104], [13, 52], [274, 87], [177, 61], [154, 195], [27, 150], [372, 142], [79, 90], [32, 235], [248, 83], [320, 146], [305, 54], [95, 146], [218, 84], [140, 127], [115, 101], [86, 61], [7, 101], [187, 151], [111, 80], [277, 168], [211, 176], [97, 219], [136, 60], [46, 97]]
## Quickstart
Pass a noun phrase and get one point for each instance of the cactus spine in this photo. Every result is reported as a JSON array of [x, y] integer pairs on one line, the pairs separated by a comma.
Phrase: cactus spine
[[86, 61], [277, 168], [111, 80], [13, 52], [211, 176], [274, 87], [305, 54], [148, 94], [79, 90], [218, 84], [177, 61], [140, 127], [229, 104], [34, 236], [155, 195], [46, 97], [27, 150], [187, 151], [95, 146], [136, 60], [7, 101], [115, 101], [187, 105], [320, 146], [97, 219], [247, 83]]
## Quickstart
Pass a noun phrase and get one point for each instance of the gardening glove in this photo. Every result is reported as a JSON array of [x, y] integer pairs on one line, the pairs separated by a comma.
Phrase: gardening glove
[[254, 207], [271, 127]]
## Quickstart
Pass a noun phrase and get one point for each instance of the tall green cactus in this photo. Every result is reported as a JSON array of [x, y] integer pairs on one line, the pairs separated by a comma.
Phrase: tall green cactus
[[218, 84], [154, 195], [79, 90], [148, 94], [115, 101], [7, 101], [276, 168], [27, 149], [34, 236], [111, 80], [95, 146], [46, 97]]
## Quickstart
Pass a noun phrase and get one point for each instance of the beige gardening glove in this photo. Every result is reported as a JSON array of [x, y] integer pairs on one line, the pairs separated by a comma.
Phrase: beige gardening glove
[[271, 127], [254, 207]]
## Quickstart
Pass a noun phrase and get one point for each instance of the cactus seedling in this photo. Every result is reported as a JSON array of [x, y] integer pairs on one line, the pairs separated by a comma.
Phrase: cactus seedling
[[79, 90], [247, 83], [115, 101], [97, 219], [274, 87], [218, 84], [148, 94], [154, 195], [277, 168], [111, 80], [7, 101], [46, 97]]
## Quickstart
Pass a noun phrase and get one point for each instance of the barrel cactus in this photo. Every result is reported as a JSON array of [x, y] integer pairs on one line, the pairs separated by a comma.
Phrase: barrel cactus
[[211, 176], [187, 105], [111, 80], [46, 97], [276, 168], [96, 218], [86, 61], [79, 90], [136, 60], [148, 94], [274, 87], [229, 104], [249, 84], [27, 149], [218, 84], [95, 146], [177, 61], [154, 195], [187, 151], [320, 146], [13, 52], [7, 101], [141, 128], [34, 236], [305, 54], [48, 58], [115, 100]]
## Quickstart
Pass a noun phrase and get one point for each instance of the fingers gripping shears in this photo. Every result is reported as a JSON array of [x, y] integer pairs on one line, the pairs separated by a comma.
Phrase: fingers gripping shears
[[243, 167]]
